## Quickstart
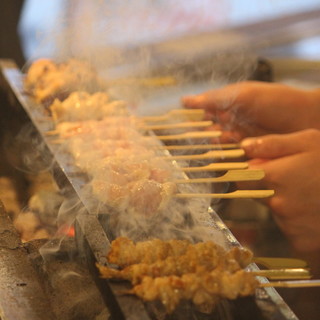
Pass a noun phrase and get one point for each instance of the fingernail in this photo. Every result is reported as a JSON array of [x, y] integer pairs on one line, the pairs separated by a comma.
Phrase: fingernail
[[248, 144]]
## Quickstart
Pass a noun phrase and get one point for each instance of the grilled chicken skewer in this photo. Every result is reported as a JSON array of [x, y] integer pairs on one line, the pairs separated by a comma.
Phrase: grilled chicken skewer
[[204, 289], [125, 252], [174, 257], [183, 264], [203, 255], [176, 270]]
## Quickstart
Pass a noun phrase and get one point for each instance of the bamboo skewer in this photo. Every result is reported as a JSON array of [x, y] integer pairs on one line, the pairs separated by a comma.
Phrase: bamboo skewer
[[191, 135], [178, 125], [220, 154], [292, 284], [238, 194], [280, 263], [52, 133], [146, 82], [200, 146], [191, 114], [218, 166], [232, 175], [294, 273]]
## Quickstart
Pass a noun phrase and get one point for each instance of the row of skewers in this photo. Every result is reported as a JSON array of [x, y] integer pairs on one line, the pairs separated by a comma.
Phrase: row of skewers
[[203, 273], [131, 171]]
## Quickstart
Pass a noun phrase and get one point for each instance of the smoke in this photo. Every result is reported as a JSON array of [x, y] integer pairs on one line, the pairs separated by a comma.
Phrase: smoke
[[140, 40], [150, 38], [27, 151], [129, 186]]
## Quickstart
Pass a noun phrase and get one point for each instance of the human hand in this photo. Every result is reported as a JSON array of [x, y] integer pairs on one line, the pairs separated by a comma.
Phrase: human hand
[[255, 108], [292, 168]]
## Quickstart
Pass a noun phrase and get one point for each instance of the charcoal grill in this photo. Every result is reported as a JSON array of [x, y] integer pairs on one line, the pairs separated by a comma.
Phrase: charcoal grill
[[93, 238]]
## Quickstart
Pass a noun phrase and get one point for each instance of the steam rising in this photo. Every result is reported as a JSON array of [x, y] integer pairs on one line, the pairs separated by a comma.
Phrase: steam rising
[[93, 31]]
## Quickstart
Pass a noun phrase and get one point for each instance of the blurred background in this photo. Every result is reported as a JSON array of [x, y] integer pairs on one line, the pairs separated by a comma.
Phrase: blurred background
[[213, 42], [35, 28], [145, 22]]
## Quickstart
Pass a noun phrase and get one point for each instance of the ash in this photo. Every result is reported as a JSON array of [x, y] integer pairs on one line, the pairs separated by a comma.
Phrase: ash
[[66, 280]]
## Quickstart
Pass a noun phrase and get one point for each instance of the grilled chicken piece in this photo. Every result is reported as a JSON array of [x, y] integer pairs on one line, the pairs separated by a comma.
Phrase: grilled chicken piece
[[81, 106], [125, 252], [204, 289], [46, 80]]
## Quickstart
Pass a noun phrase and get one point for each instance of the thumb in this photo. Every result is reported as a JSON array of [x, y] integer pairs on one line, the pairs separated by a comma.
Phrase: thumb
[[273, 146]]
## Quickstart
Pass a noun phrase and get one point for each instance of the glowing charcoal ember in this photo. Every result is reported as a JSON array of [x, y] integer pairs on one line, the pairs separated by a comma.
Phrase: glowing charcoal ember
[[84, 106]]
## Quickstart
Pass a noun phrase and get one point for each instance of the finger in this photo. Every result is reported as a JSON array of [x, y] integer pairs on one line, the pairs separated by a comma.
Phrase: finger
[[263, 184], [222, 98], [197, 102], [273, 146]]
